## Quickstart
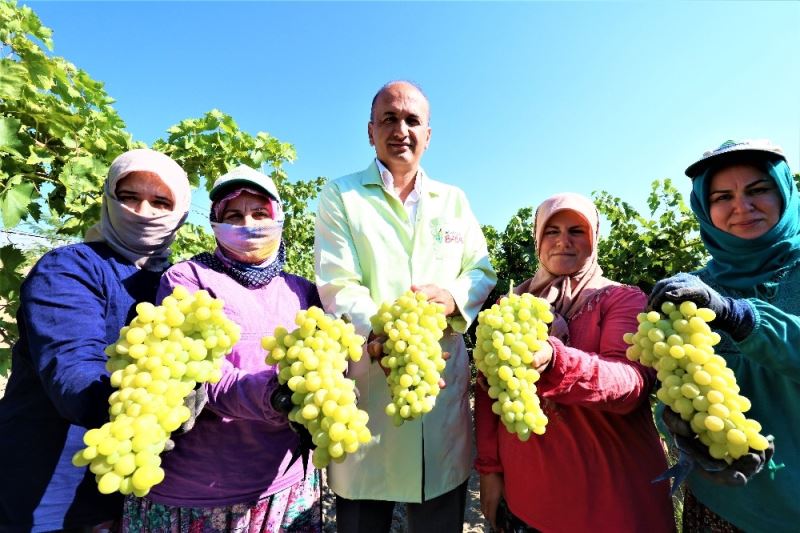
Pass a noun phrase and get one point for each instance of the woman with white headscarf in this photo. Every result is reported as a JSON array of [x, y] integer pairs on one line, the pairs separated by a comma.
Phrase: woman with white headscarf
[[72, 305], [236, 470], [592, 468]]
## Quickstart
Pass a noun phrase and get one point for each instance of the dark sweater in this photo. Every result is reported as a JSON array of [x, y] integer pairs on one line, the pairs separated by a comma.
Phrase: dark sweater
[[73, 304]]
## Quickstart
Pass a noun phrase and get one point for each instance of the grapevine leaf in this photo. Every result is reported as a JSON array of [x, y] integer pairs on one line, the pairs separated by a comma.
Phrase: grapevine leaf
[[14, 203], [10, 258], [9, 134], [13, 78]]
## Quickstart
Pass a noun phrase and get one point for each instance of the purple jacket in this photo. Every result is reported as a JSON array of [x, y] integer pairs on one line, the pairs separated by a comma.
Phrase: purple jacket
[[239, 448]]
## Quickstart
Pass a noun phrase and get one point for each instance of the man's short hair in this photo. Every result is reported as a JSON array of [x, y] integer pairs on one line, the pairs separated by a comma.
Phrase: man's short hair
[[389, 84]]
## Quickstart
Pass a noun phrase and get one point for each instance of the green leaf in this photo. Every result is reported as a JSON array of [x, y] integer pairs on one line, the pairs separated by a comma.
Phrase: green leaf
[[40, 71], [5, 361], [10, 258], [9, 134], [14, 203], [13, 77]]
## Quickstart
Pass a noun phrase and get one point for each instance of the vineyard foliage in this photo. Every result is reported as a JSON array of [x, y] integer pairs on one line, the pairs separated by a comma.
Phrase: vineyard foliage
[[59, 133]]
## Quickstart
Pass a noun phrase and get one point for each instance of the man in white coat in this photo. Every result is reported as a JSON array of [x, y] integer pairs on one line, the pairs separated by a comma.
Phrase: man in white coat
[[379, 233]]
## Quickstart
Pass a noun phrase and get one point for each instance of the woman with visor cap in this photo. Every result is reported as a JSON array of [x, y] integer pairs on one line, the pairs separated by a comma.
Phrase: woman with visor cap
[[234, 470], [72, 305], [747, 203]]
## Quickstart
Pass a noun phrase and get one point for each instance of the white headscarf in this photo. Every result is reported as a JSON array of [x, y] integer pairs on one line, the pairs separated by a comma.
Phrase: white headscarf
[[143, 240]]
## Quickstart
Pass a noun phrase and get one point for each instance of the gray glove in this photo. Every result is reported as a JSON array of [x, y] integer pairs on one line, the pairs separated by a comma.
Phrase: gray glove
[[194, 401], [695, 452], [736, 317]]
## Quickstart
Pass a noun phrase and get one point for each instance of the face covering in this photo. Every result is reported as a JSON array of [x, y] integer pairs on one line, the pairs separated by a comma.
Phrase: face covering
[[250, 244], [142, 240]]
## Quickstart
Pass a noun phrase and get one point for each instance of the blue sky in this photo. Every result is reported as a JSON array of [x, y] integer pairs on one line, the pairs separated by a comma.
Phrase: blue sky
[[528, 99]]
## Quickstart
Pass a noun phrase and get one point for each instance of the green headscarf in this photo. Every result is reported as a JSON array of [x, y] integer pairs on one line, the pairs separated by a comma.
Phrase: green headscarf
[[745, 263]]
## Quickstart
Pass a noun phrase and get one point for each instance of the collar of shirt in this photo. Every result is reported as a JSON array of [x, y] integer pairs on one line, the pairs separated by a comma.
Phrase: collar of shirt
[[412, 200], [388, 184]]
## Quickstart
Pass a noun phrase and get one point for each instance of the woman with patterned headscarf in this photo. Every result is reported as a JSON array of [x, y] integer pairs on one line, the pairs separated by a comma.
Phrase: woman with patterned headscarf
[[592, 469], [72, 305], [748, 206], [235, 471]]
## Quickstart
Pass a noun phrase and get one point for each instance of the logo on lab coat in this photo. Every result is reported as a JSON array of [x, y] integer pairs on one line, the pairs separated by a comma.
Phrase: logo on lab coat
[[446, 231]]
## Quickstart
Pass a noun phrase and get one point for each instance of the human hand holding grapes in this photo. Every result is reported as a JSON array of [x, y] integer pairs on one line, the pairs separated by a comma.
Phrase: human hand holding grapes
[[542, 357], [375, 349], [438, 295]]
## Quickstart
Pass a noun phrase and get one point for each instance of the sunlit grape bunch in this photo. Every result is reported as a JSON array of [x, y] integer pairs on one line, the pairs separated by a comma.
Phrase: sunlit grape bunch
[[312, 360], [508, 335], [413, 326], [696, 383], [158, 360]]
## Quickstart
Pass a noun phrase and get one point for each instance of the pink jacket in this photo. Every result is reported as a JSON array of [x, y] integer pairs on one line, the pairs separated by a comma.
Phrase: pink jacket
[[593, 467]]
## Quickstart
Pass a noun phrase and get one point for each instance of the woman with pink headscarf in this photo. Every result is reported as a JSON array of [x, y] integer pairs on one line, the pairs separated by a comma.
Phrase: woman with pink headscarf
[[593, 468], [239, 468], [72, 305]]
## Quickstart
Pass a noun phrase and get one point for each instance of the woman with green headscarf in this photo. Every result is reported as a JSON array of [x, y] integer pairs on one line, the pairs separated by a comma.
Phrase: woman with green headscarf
[[747, 203]]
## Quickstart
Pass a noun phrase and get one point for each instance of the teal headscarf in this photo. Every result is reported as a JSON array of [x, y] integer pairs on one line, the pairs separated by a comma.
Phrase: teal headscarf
[[745, 263]]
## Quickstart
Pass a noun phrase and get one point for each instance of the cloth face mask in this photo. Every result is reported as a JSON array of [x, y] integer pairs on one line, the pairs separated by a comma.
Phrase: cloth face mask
[[254, 242]]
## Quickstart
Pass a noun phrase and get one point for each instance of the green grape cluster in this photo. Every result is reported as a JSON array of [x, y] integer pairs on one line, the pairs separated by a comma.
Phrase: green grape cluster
[[157, 361], [312, 360], [695, 382], [508, 335], [412, 353]]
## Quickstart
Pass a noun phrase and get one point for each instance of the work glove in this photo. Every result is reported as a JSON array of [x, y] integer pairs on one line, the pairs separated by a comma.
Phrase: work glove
[[194, 401], [281, 401], [735, 317], [694, 454]]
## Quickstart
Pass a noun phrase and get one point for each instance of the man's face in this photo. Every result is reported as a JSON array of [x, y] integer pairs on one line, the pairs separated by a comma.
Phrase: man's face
[[399, 127]]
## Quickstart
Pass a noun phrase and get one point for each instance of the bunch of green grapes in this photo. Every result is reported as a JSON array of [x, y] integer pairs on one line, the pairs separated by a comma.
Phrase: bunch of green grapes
[[508, 335], [312, 360], [159, 358], [412, 353], [696, 383]]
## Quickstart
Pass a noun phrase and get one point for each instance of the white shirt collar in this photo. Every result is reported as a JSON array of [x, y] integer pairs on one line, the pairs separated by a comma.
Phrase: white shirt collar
[[412, 200], [388, 182]]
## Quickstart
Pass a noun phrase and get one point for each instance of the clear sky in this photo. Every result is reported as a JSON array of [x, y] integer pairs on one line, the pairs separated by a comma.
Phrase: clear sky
[[527, 99]]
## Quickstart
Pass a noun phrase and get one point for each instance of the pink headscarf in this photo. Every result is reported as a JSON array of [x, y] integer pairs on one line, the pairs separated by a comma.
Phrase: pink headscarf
[[567, 294]]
